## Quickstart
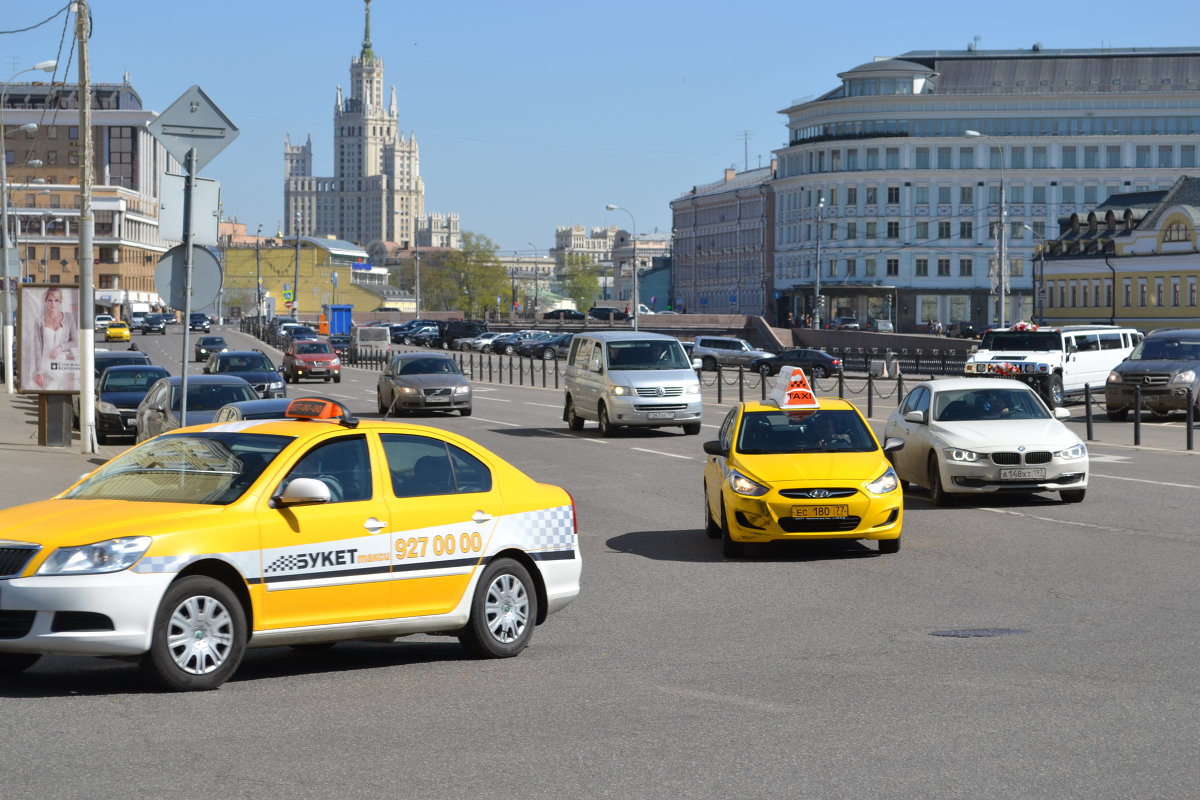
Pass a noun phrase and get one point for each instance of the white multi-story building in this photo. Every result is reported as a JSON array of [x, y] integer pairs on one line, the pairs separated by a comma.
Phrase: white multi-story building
[[376, 193], [888, 195]]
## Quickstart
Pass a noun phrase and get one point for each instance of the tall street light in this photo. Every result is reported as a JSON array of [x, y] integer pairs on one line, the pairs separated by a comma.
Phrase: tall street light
[[1039, 282], [43, 66], [633, 237], [1002, 267], [817, 283]]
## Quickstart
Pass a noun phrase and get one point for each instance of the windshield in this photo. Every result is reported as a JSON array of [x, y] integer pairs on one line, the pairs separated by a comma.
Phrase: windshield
[[210, 468], [823, 431], [1167, 350], [126, 381], [649, 354], [244, 364], [1021, 340], [982, 404], [308, 348], [210, 397], [429, 366]]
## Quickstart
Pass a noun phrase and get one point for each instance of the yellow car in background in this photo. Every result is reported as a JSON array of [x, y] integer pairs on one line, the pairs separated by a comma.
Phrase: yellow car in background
[[777, 473], [194, 545], [116, 332]]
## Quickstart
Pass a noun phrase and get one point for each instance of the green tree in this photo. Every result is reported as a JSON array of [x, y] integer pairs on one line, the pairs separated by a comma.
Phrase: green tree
[[466, 280], [581, 280]]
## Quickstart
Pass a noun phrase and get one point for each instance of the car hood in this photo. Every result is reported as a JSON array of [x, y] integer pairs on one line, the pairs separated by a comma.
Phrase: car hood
[[1169, 365], [1005, 434], [56, 523], [792, 468], [123, 399], [423, 381]]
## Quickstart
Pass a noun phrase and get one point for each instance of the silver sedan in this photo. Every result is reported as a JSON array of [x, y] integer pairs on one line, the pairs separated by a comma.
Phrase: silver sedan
[[423, 382]]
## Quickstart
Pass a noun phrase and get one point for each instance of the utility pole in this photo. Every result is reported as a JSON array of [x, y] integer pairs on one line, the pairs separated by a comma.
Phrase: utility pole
[[87, 227], [817, 284], [296, 274], [258, 309]]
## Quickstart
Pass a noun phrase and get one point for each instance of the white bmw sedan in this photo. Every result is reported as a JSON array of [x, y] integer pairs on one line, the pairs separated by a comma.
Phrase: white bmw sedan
[[985, 435]]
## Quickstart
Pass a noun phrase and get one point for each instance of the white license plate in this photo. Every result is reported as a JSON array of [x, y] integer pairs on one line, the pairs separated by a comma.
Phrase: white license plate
[[1026, 474], [660, 415], [819, 512]]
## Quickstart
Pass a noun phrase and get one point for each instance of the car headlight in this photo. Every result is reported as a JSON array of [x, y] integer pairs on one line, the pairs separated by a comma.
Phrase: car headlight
[[1115, 377], [1187, 376], [620, 390], [887, 482], [113, 555], [406, 390], [462, 389], [105, 407], [692, 388], [1073, 453], [335, 363], [275, 385], [744, 486], [961, 455]]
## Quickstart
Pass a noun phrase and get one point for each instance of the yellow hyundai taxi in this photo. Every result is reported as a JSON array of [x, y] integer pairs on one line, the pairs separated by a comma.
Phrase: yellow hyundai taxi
[[201, 542], [794, 467], [116, 332]]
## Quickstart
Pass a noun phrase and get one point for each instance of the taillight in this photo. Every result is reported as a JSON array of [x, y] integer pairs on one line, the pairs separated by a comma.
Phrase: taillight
[[574, 515]]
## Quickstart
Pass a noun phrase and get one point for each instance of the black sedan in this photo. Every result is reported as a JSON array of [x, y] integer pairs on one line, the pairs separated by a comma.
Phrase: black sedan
[[207, 345], [547, 349], [161, 408], [565, 314], [119, 390], [815, 363]]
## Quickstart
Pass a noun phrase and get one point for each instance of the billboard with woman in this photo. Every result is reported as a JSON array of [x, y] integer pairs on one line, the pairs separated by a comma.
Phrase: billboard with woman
[[49, 343]]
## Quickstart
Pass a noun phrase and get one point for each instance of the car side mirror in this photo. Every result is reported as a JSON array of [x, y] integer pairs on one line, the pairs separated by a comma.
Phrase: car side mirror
[[697, 364], [915, 416], [714, 448], [1062, 413], [892, 444], [303, 492]]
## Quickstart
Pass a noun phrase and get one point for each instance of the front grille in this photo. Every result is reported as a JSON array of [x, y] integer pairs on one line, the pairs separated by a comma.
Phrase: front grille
[[659, 391], [1156, 379], [16, 624], [660, 407], [1013, 459], [807, 494], [13, 559], [840, 524], [437, 392]]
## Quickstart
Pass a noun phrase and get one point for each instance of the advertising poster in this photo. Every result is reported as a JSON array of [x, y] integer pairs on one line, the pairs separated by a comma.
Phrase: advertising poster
[[48, 338]]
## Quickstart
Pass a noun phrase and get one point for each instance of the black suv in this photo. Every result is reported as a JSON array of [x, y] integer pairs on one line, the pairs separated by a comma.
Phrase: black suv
[[199, 322], [154, 323], [1165, 365], [253, 365], [449, 330]]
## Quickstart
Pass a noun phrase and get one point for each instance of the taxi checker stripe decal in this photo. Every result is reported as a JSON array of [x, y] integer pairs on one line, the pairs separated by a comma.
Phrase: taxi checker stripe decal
[[340, 573], [441, 564]]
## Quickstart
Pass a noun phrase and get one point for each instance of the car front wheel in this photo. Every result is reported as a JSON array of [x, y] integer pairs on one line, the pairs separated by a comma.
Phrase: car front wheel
[[503, 612], [574, 421], [819, 372], [937, 493], [729, 547], [1073, 495], [606, 426], [199, 636]]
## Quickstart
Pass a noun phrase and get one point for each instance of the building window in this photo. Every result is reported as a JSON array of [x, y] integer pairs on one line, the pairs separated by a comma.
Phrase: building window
[[920, 195], [872, 158], [1191, 290], [1127, 293], [1039, 158], [966, 158], [1141, 158], [921, 268], [1070, 157], [922, 231], [1177, 232], [1068, 194], [851, 268], [966, 195], [871, 232], [922, 158], [851, 195], [966, 267], [944, 157], [893, 194], [943, 267], [869, 268], [893, 230], [1166, 155], [893, 267], [1091, 156], [892, 158], [872, 195], [1175, 291], [1039, 193], [851, 230], [944, 229], [1187, 155], [966, 229]]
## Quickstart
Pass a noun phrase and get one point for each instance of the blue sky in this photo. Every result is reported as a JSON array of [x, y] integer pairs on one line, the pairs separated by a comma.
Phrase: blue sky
[[536, 114]]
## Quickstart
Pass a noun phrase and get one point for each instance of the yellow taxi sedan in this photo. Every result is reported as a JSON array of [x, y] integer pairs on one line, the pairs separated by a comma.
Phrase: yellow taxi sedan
[[198, 543], [782, 472], [116, 332]]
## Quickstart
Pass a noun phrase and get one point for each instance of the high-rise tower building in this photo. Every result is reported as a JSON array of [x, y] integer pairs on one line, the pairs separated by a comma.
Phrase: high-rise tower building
[[376, 192]]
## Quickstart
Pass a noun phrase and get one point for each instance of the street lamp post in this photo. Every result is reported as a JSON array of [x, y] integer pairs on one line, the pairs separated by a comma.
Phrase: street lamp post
[[43, 66], [296, 274], [1002, 267], [258, 298], [817, 283], [633, 237], [1039, 282]]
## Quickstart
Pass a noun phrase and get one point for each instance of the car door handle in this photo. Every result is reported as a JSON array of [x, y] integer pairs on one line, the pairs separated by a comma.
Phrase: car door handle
[[374, 525], [480, 517]]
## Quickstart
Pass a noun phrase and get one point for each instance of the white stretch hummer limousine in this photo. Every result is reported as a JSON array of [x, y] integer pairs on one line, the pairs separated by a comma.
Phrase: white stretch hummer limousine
[[1057, 362]]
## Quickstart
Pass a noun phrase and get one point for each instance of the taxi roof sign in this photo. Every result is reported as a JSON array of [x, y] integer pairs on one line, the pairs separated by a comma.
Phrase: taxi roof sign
[[320, 408], [793, 392]]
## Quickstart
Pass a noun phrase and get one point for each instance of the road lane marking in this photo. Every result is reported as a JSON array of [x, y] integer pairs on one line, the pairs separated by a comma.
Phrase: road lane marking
[[1091, 525], [1144, 480], [571, 436], [498, 422], [660, 453]]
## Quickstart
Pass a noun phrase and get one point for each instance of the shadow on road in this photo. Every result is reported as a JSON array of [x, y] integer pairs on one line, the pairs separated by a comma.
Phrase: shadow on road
[[693, 546]]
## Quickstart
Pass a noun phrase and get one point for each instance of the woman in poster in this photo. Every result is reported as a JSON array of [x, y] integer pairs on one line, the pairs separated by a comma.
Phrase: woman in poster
[[56, 345]]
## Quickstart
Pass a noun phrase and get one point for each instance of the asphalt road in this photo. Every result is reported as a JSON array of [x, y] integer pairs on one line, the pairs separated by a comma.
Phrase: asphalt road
[[807, 671]]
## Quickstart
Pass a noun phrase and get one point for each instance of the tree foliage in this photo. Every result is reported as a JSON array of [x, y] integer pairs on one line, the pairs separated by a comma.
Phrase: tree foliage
[[581, 280], [466, 280]]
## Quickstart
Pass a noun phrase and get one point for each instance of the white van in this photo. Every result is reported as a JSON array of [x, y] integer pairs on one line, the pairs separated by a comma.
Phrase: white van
[[1058, 362], [631, 378]]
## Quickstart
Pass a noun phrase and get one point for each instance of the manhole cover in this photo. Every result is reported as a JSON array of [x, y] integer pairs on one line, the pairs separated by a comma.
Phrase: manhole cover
[[975, 633]]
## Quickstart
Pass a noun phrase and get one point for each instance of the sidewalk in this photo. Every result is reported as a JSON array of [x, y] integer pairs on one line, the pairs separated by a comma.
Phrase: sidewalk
[[29, 471]]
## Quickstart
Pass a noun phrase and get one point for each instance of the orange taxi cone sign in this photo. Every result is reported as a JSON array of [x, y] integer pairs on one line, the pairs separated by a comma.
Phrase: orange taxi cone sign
[[793, 390]]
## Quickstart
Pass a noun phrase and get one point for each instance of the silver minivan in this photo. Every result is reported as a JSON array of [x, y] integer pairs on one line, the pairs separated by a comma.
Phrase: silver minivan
[[631, 378]]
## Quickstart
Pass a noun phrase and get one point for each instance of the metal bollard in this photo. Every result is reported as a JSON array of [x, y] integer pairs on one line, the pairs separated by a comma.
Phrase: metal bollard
[[1191, 416], [762, 387], [870, 394], [899, 390], [1087, 405], [719, 382], [1137, 415], [741, 384], [842, 385]]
